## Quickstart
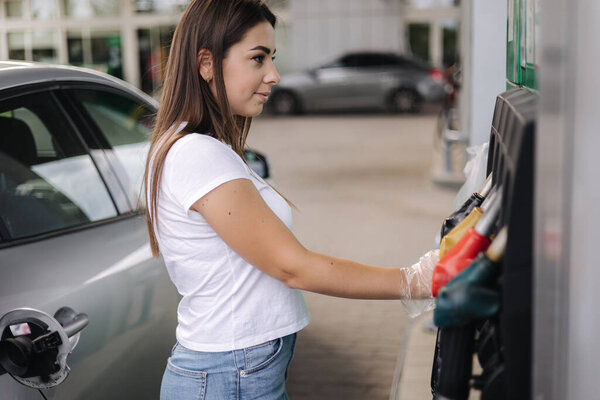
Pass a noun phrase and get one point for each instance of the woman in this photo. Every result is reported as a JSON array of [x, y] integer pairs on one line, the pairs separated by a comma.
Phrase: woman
[[223, 232]]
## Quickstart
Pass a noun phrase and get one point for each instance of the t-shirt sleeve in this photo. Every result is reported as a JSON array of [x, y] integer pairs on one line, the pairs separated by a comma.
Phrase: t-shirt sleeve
[[196, 166]]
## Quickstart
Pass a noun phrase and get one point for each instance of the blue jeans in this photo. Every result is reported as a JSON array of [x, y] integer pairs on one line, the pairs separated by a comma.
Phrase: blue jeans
[[257, 372]]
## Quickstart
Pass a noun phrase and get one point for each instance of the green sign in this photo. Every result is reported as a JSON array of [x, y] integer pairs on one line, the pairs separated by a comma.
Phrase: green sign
[[522, 38]]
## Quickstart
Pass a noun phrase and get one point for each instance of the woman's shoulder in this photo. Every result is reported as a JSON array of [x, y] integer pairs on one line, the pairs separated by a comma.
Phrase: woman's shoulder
[[198, 151], [193, 137], [199, 143]]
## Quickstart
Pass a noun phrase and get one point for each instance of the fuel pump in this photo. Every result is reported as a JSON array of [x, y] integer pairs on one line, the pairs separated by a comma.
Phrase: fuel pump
[[34, 345], [467, 247]]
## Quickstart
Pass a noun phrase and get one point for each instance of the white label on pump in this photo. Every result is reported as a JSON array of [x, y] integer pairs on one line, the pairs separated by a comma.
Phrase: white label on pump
[[20, 329]]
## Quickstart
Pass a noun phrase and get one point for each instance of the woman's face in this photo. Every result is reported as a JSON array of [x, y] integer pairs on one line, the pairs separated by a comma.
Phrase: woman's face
[[249, 72]]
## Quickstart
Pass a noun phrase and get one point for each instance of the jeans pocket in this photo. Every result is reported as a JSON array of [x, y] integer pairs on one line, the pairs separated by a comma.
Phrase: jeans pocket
[[260, 356], [181, 383]]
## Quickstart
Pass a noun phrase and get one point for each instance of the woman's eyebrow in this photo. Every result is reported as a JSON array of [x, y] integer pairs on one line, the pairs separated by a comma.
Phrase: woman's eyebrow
[[263, 48]]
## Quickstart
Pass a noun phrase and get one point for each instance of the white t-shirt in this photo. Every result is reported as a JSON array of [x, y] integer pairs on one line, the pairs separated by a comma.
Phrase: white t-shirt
[[227, 303]]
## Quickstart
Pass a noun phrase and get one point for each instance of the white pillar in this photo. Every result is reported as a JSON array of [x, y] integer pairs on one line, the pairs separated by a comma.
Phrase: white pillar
[[487, 67], [464, 95], [86, 36], [62, 50], [584, 274], [3, 45], [435, 43], [129, 47], [28, 45], [61, 39]]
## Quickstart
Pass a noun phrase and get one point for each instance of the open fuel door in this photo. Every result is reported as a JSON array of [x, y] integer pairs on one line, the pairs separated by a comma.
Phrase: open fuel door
[[34, 345]]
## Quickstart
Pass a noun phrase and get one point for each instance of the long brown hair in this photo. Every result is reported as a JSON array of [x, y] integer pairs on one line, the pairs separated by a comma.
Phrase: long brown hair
[[215, 25]]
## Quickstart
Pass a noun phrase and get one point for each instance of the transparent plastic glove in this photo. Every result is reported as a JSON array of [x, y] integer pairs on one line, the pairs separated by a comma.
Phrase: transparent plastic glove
[[416, 293]]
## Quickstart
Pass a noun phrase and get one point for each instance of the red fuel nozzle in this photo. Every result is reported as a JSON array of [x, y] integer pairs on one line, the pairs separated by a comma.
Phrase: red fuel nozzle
[[468, 247], [458, 258]]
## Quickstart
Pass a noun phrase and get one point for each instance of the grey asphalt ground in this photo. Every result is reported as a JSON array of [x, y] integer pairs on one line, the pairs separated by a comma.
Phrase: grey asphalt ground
[[362, 186]]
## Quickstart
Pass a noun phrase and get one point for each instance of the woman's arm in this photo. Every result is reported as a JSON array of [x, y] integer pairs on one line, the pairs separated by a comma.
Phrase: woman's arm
[[239, 215]]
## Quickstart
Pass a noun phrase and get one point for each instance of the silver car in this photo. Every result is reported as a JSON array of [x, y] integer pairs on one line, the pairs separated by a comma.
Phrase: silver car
[[365, 80], [85, 311]]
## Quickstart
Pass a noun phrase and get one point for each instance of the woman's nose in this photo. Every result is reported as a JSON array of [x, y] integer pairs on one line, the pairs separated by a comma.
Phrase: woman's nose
[[272, 77]]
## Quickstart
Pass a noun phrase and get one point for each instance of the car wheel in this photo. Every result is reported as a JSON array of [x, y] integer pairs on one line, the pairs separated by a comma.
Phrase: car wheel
[[285, 103], [404, 101]]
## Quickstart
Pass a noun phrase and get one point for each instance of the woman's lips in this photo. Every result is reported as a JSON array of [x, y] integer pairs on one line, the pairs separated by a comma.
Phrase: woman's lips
[[264, 96]]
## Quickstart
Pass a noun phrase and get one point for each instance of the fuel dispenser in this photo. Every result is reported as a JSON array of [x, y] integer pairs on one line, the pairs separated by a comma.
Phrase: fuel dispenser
[[34, 346], [485, 311]]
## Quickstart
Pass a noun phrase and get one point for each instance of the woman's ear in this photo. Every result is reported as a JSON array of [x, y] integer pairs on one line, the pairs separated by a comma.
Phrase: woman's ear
[[205, 64]]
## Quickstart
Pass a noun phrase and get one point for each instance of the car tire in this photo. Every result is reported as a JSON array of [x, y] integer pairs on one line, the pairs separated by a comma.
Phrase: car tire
[[285, 103], [404, 101]]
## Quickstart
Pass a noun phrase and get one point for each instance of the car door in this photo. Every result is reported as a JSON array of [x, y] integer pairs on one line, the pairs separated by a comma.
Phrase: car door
[[330, 86], [354, 82], [70, 237], [372, 79]]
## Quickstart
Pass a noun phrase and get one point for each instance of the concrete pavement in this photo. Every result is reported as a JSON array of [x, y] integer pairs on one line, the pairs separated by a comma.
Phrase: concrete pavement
[[415, 373], [363, 191]]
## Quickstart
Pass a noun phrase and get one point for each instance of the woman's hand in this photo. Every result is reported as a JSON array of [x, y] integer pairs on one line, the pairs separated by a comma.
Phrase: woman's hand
[[417, 284], [418, 276]]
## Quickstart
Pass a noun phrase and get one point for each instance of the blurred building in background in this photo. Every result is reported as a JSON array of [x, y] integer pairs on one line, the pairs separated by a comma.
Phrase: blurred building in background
[[130, 38], [318, 30], [122, 38]]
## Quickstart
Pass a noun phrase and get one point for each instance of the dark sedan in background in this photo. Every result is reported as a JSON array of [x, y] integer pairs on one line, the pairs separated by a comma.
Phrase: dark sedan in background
[[362, 80]]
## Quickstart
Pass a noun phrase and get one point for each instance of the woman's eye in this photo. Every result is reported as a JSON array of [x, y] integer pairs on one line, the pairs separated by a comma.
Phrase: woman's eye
[[259, 59]]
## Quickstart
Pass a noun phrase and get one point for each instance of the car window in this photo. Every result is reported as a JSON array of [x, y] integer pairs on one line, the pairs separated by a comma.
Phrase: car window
[[402, 62], [47, 180], [127, 126], [416, 64], [388, 59], [362, 60], [352, 61], [373, 60]]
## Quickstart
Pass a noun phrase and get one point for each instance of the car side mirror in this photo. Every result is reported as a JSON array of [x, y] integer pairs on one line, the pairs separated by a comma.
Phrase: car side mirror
[[257, 162]]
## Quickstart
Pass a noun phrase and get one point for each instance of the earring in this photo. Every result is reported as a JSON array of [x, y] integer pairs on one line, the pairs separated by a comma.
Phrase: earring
[[208, 79]]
